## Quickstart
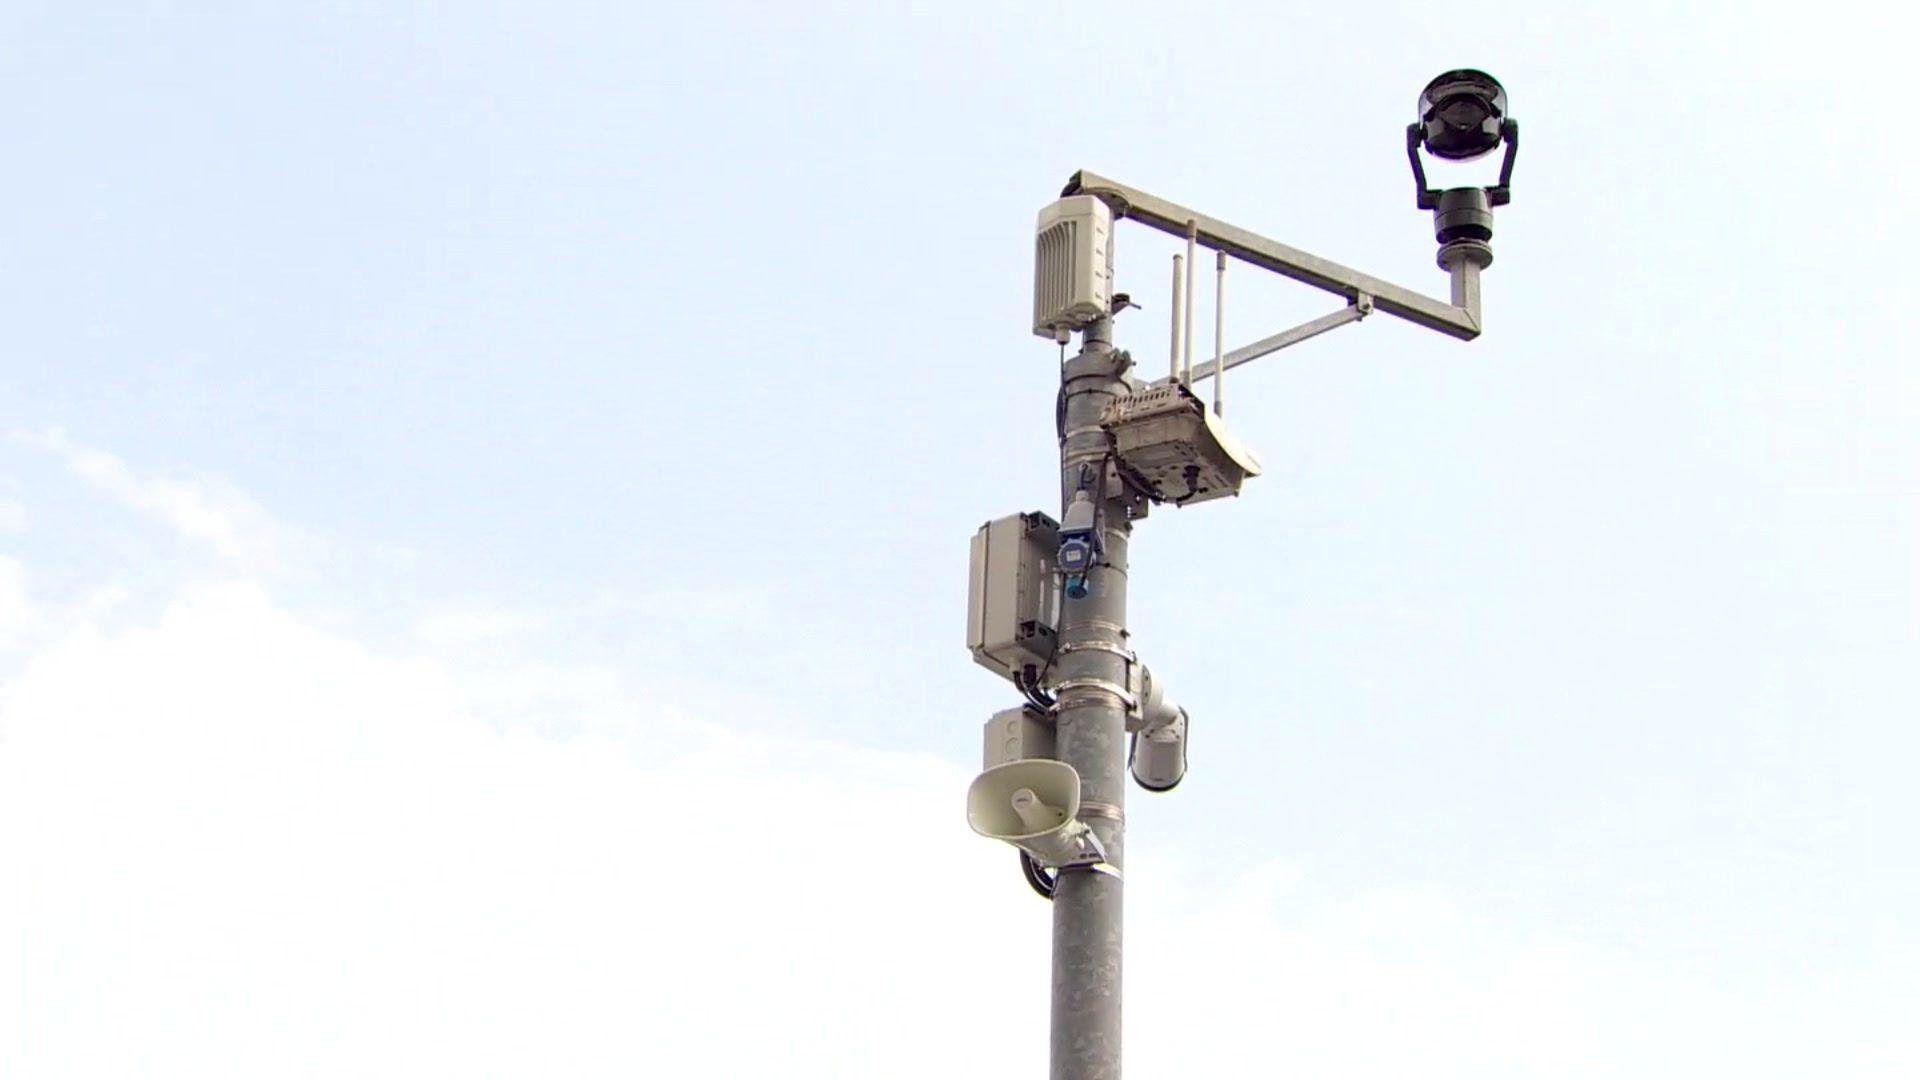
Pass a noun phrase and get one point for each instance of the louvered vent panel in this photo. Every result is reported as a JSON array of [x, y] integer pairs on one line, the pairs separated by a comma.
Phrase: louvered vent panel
[[1072, 264], [1053, 272]]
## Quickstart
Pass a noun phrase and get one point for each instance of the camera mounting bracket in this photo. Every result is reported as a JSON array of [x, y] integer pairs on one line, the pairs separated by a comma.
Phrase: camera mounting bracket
[[1459, 318]]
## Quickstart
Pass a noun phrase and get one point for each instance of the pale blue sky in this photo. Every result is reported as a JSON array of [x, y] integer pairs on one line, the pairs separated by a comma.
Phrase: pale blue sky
[[689, 347]]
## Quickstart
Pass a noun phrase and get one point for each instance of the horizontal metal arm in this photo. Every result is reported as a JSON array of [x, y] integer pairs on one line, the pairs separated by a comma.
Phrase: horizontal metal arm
[[1352, 313], [1175, 220]]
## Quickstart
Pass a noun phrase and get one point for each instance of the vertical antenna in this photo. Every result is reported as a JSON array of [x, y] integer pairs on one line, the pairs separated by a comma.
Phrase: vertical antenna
[[1179, 302], [1219, 332], [1186, 335]]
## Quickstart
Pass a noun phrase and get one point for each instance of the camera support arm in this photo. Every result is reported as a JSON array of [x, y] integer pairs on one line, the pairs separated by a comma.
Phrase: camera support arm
[[1460, 319]]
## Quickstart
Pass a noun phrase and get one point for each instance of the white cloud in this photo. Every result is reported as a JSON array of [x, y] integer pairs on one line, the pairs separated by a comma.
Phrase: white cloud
[[240, 843], [1402, 982], [469, 626], [713, 607], [203, 509], [17, 615], [246, 841]]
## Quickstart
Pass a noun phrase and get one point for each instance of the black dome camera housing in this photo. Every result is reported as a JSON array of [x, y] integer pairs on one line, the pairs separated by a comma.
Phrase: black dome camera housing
[[1461, 114]]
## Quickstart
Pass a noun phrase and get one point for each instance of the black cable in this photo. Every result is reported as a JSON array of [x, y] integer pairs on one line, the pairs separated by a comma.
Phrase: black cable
[[1037, 877], [1030, 689], [1041, 697]]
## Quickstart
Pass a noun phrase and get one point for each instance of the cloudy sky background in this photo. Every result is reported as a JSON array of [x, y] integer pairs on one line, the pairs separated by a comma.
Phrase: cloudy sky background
[[484, 495]]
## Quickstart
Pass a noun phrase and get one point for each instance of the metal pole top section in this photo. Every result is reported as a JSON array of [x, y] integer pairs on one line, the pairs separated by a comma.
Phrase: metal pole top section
[[1291, 262]]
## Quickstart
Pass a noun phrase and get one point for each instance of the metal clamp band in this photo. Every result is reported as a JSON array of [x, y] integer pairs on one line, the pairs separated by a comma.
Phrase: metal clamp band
[[1108, 366], [1097, 624], [1120, 651], [1065, 688], [1102, 810]]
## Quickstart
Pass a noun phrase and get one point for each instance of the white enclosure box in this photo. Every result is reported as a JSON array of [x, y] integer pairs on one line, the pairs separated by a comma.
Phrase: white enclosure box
[[1013, 600], [1072, 265], [1016, 735]]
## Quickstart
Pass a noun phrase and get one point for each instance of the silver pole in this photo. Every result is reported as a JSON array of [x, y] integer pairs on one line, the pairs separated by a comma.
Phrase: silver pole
[[1465, 273], [1186, 336], [1219, 332], [1179, 302], [1090, 730]]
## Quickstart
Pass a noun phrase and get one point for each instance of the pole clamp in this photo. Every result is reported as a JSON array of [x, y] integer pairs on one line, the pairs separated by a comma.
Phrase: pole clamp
[[1064, 691], [1096, 645]]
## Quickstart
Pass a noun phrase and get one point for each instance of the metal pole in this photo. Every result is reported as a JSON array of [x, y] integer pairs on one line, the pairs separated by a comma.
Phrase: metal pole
[[1463, 265], [1178, 305], [1186, 335], [1090, 727], [1219, 333]]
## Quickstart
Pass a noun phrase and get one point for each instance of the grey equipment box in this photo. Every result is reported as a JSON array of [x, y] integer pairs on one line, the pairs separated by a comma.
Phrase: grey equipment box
[[1177, 449], [1020, 734], [1013, 597]]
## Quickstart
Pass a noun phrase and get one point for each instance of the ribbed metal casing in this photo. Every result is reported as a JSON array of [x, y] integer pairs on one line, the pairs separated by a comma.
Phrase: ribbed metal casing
[[1072, 264]]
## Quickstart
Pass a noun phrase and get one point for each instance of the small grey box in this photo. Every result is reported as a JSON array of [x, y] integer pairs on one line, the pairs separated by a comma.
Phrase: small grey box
[[1013, 598], [1016, 735]]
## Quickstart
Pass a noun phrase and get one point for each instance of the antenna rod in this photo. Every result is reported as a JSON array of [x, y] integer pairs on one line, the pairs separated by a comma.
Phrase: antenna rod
[[1186, 336], [1219, 332], [1179, 302]]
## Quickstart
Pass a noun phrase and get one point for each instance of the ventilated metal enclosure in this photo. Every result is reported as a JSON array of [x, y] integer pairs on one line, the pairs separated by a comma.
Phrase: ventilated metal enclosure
[[1072, 265]]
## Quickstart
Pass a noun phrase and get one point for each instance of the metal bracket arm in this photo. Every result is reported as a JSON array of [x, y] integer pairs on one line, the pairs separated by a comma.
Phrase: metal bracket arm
[[1176, 220], [1500, 193], [1352, 313]]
